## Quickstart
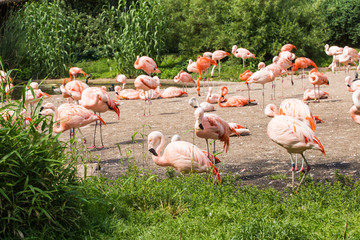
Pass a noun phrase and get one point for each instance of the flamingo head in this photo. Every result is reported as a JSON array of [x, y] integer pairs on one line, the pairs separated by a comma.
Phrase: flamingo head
[[199, 114], [154, 139], [233, 50]]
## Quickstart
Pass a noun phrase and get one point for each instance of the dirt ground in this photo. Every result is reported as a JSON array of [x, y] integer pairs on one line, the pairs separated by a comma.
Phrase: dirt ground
[[254, 158]]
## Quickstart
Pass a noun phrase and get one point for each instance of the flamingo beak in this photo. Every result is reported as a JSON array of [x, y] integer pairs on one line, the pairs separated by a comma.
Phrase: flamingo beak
[[201, 126], [153, 152]]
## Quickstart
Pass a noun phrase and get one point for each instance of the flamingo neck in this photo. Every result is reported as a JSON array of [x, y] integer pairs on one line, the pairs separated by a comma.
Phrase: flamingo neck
[[355, 98], [159, 160]]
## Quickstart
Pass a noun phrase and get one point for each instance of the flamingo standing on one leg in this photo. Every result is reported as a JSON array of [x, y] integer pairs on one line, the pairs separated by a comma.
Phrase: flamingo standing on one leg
[[333, 51], [263, 76], [233, 101], [202, 64], [183, 156], [98, 100], [317, 78], [211, 126], [147, 83], [121, 78], [147, 64], [184, 78], [302, 63], [217, 56], [296, 137], [242, 53]]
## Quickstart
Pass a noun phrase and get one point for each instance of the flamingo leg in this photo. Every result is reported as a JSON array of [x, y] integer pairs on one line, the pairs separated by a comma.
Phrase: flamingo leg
[[101, 140], [282, 87], [302, 77], [292, 171], [214, 147], [314, 94], [243, 65], [248, 86], [93, 146], [319, 93], [263, 94], [84, 139], [219, 68], [306, 173], [207, 146]]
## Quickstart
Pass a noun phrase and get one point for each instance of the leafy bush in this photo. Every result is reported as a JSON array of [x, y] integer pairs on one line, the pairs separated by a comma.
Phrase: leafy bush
[[39, 191]]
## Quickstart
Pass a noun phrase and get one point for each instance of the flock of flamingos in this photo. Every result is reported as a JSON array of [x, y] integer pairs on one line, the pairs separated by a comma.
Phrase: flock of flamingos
[[292, 125]]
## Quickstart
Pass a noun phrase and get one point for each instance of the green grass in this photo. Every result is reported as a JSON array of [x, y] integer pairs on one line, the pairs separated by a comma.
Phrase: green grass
[[102, 68], [140, 206], [277, 177]]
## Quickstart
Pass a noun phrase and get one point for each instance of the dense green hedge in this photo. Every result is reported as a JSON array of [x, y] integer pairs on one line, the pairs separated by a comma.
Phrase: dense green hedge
[[43, 38]]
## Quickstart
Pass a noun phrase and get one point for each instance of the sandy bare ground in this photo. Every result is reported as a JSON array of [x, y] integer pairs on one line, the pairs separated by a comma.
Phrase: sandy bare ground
[[253, 158]]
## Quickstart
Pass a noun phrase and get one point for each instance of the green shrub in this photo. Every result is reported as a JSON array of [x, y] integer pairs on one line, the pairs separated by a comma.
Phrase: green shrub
[[39, 190]]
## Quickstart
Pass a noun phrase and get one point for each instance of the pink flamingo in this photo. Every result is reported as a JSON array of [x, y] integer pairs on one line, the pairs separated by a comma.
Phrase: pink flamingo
[[292, 108], [147, 83], [98, 100], [184, 78], [191, 67], [277, 70], [204, 105], [287, 47], [156, 94], [355, 110], [7, 80], [261, 65], [310, 94], [147, 64], [333, 50], [288, 55], [233, 101], [33, 94], [302, 63], [208, 54], [242, 53], [121, 78], [245, 75], [73, 89], [296, 137], [69, 116], [262, 77], [214, 97], [202, 64], [317, 78], [217, 56], [240, 130], [211, 126], [128, 94], [75, 71], [183, 156], [172, 92], [352, 84]]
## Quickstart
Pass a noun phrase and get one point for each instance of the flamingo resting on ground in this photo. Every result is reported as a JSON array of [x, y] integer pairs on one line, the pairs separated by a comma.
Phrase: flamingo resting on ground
[[204, 105], [172, 92], [99, 101], [217, 56], [147, 84], [211, 126], [245, 75], [214, 97], [352, 84], [184, 78], [240, 130], [202, 64], [127, 94], [310, 94], [183, 156], [317, 78], [295, 136], [147, 64], [233, 101]]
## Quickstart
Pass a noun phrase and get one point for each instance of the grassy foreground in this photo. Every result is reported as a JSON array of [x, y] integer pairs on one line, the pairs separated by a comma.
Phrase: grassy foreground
[[139, 206]]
